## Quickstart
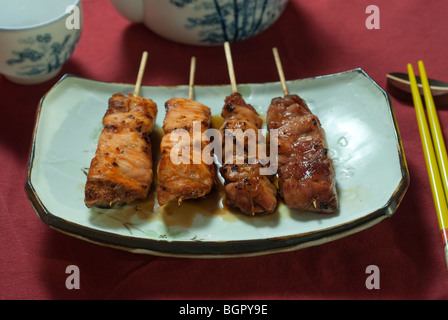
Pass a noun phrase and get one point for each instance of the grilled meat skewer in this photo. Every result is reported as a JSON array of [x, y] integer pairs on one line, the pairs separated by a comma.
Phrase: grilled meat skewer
[[306, 174], [184, 180], [122, 169], [245, 188]]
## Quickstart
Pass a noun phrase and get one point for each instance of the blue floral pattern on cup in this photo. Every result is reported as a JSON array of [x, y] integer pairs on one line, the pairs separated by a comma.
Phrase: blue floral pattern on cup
[[41, 48], [232, 20]]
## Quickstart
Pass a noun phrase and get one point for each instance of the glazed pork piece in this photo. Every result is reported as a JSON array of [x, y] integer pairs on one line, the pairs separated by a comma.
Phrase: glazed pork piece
[[122, 169], [184, 180], [245, 188], [305, 171]]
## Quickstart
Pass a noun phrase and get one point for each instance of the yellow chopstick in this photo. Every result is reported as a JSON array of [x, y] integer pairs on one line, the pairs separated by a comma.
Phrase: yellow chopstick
[[431, 159], [436, 131]]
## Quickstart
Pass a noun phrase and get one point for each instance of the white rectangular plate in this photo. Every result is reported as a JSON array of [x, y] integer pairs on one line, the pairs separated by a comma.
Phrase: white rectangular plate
[[371, 172]]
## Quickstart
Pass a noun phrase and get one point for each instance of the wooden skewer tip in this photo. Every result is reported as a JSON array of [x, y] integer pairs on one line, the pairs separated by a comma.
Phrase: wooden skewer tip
[[141, 71], [281, 74], [192, 74], [230, 66]]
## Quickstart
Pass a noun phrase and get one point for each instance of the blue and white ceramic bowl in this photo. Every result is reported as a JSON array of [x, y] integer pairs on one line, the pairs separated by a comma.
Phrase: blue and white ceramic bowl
[[203, 22], [37, 38]]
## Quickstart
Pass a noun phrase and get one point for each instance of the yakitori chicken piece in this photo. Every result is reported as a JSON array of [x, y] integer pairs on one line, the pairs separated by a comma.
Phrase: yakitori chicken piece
[[122, 169], [188, 176], [306, 175], [246, 189]]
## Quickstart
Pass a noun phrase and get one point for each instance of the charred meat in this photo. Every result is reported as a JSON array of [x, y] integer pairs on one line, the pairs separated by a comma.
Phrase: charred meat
[[184, 179], [245, 188], [122, 169], [306, 174]]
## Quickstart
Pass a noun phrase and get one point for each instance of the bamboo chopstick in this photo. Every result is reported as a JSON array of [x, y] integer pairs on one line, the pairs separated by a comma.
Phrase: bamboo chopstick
[[436, 131], [435, 158]]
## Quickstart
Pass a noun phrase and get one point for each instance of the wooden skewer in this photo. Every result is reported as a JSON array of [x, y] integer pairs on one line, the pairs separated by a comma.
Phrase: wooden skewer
[[280, 71], [230, 66], [192, 73], [141, 71]]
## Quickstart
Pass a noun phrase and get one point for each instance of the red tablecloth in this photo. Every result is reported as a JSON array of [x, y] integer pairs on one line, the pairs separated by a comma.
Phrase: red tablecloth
[[315, 38]]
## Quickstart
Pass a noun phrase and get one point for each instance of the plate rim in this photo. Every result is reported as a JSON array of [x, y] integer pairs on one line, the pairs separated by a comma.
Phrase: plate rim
[[217, 248]]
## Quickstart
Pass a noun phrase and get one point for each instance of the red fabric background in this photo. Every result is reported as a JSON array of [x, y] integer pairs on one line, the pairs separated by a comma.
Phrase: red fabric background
[[315, 38]]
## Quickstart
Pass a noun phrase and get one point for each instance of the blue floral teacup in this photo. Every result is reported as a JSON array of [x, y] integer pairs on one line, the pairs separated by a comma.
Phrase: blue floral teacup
[[37, 38], [203, 22]]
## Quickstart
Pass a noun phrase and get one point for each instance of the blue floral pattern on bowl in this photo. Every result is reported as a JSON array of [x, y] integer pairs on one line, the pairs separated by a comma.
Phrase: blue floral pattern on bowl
[[232, 20], [45, 54]]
